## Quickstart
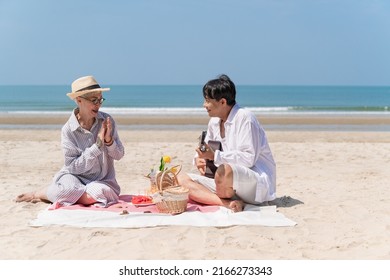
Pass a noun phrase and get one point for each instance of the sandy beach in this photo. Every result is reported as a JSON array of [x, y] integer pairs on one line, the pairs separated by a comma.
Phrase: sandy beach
[[334, 184]]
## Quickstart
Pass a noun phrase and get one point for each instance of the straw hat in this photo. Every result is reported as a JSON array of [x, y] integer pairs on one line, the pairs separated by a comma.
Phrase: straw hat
[[84, 85]]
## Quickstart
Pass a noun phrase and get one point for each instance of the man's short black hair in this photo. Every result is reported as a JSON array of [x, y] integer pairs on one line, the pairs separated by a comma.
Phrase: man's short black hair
[[219, 88]]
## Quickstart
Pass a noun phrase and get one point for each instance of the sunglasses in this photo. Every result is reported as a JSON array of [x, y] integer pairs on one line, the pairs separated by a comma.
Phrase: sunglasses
[[95, 101]]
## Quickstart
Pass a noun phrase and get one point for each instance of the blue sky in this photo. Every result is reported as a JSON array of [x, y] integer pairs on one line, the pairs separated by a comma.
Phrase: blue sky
[[263, 42]]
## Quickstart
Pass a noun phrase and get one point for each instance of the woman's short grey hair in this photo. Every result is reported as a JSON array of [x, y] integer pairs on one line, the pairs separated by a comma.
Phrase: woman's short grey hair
[[87, 95]]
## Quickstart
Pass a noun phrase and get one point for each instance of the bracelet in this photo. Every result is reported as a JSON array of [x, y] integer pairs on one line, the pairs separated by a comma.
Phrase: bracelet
[[109, 143]]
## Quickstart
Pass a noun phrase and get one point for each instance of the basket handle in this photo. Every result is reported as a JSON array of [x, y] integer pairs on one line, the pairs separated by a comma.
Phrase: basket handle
[[170, 170], [177, 169]]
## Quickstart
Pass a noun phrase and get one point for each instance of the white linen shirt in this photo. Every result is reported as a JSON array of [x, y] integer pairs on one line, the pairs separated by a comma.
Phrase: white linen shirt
[[245, 143]]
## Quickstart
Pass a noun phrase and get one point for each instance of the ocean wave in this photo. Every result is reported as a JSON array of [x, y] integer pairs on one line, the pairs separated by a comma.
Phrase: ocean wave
[[172, 111], [155, 111], [184, 111]]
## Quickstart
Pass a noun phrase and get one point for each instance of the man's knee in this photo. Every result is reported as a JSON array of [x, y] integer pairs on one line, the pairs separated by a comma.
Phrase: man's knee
[[224, 181], [224, 173], [183, 179]]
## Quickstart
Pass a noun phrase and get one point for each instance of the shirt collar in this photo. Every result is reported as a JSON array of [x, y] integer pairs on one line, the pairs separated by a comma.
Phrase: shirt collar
[[232, 113], [74, 123]]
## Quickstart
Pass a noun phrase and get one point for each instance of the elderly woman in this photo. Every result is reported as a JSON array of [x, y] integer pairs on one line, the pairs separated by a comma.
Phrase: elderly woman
[[90, 143]]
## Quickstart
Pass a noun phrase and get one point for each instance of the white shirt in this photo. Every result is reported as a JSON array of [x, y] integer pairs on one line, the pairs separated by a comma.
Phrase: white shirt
[[245, 144]]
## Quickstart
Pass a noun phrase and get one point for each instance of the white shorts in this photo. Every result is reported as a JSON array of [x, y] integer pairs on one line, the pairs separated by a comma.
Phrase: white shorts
[[244, 183]]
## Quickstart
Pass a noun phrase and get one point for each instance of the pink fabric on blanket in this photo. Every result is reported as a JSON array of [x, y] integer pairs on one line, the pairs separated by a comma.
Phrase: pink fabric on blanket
[[124, 203]]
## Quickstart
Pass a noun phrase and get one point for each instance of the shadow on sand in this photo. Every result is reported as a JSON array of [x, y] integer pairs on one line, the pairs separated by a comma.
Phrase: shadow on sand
[[285, 201]]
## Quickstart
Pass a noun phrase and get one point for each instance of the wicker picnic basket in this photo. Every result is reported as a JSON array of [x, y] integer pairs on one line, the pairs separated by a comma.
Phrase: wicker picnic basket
[[170, 197]]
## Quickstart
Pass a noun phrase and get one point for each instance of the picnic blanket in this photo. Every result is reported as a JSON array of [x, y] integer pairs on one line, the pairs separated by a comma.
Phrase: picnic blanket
[[126, 215]]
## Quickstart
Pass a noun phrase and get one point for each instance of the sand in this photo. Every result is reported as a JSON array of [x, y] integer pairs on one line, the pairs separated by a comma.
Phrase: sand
[[334, 184]]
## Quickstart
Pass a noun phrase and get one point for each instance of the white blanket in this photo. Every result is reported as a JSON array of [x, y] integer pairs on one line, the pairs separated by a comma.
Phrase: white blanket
[[253, 215]]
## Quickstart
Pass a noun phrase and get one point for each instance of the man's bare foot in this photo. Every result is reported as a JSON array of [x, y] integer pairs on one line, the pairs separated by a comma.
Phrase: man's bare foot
[[234, 205], [28, 197], [237, 205]]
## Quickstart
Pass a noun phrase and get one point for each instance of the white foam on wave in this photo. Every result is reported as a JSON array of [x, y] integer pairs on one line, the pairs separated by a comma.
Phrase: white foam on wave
[[202, 112]]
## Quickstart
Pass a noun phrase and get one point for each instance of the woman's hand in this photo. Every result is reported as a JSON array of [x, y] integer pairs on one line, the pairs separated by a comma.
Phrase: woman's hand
[[102, 131], [108, 131]]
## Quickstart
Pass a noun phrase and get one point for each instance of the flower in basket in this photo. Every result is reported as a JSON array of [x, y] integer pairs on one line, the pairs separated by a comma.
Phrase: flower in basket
[[163, 162], [164, 165], [165, 191]]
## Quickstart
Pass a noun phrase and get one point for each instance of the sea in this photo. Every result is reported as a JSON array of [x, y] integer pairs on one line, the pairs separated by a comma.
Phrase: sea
[[185, 100]]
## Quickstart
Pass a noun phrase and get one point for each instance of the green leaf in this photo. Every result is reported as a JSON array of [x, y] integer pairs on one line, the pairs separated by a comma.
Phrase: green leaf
[[162, 164]]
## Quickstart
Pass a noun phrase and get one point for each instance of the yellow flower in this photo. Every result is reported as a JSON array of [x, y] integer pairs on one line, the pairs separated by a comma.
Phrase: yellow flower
[[163, 162], [166, 159]]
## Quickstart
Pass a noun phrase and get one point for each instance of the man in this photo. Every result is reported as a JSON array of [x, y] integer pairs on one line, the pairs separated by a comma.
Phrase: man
[[246, 170], [90, 143]]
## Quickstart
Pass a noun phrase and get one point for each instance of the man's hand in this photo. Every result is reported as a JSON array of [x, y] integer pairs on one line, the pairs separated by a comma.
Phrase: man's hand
[[201, 165], [207, 154]]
